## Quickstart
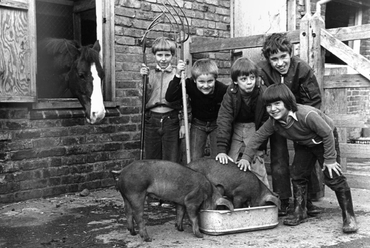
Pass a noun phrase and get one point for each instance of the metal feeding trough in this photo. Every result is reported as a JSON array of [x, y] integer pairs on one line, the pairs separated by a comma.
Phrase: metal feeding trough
[[218, 222]]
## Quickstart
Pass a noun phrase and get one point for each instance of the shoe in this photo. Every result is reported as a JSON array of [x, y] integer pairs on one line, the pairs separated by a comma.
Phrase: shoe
[[349, 219], [312, 210], [299, 214], [284, 207]]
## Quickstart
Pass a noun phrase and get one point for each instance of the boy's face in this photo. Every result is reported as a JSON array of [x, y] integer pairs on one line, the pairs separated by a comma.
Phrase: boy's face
[[277, 110], [246, 83], [206, 83], [163, 59], [280, 61]]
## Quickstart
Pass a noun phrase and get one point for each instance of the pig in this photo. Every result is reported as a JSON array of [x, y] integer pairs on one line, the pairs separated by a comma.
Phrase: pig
[[242, 187], [168, 181]]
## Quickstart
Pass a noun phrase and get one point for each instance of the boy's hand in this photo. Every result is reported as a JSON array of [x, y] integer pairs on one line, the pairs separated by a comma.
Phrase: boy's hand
[[337, 168], [182, 132], [181, 66], [144, 70], [223, 158], [244, 165], [259, 155]]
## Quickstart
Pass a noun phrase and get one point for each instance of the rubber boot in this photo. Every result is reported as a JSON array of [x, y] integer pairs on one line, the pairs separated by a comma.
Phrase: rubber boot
[[312, 210], [345, 203], [300, 211]]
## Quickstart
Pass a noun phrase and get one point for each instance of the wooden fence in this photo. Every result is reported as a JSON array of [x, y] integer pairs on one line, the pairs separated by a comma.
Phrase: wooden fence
[[313, 39]]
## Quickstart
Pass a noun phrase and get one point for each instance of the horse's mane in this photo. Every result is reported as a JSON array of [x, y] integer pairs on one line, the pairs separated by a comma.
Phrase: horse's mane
[[89, 54], [64, 52]]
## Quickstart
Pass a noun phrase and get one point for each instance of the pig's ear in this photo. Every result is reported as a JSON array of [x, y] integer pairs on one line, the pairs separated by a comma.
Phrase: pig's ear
[[273, 199], [220, 189], [227, 203]]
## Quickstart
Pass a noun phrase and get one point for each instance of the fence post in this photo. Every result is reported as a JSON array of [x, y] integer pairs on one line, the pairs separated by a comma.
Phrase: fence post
[[304, 33], [316, 52]]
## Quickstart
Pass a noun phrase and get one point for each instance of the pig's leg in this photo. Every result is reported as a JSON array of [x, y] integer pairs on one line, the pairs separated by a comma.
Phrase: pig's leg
[[180, 212], [137, 203], [192, 209], [130, 220]]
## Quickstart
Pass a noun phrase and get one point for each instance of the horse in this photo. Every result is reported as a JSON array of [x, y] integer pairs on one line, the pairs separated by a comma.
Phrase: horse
[[80, 73]]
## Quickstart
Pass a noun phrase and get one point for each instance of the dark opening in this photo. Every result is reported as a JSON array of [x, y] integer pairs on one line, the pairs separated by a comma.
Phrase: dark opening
[[58, 20], [337, 15]]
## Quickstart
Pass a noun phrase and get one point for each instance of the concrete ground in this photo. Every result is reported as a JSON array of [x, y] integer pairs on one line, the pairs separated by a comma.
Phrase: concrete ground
[[98, 220]]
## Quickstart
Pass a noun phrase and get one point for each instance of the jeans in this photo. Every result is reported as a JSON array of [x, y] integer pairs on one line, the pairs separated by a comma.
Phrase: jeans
[[302, 167], [280, 166], [241, 136], [199, 133], [162, 136]]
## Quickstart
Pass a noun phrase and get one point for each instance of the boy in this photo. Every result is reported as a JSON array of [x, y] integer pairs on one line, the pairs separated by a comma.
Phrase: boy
[[281, 66], [312, 133], [241, 113], [161, 117], [205, 94]]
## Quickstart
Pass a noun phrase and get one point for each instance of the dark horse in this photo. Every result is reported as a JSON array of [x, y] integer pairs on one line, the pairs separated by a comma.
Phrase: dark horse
[[69, 67]]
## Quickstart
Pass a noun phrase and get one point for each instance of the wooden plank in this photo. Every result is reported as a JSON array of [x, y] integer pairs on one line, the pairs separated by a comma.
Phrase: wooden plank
[[253, 41], [346, 81], [335, 101], [358, 181], [351, 33], [304, 37], [342, 51], [316, 53], [15, 55], [17, 4], [348, 120], [108, 50], [355, 150]]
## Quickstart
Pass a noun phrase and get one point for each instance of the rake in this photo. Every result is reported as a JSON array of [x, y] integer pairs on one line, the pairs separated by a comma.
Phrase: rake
[[179, 23]]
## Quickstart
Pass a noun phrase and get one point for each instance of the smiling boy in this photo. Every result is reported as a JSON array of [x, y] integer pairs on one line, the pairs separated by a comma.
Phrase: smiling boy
[[281, 66], [161, 117], [206, 94], [312, 133]]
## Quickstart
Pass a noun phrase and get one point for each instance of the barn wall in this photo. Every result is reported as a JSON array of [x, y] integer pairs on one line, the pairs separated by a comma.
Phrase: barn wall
[[47, 153]]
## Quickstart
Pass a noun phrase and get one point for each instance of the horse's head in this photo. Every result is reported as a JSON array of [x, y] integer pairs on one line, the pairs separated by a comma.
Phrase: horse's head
[[85, 82]]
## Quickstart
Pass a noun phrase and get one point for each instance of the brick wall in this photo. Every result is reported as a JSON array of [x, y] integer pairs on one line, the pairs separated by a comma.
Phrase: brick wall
[[47, 153]]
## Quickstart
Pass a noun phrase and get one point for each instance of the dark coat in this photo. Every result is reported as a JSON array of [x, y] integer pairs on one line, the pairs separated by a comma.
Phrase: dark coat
[[229, 110]]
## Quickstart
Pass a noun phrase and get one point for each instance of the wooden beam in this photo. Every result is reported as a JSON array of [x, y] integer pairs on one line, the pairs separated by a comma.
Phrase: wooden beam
[[347, 120], [355, 150], [358, 32], [253, 41], [342, 51], [345, 81]]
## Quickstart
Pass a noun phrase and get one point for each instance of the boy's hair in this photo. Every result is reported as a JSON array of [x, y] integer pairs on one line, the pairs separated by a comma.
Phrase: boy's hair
[[276, 42], [164, 44], [280, 92], [204, 66], [243, 67]]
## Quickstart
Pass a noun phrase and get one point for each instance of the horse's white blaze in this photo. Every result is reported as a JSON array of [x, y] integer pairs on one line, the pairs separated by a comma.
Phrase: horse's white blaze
[[97, 111]]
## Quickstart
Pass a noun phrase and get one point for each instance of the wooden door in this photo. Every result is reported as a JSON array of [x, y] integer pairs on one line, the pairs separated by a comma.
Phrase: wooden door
[[17, 51]]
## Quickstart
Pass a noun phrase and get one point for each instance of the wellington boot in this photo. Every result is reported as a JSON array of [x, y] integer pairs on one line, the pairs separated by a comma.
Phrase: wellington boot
[[345, 203], [300, 212]]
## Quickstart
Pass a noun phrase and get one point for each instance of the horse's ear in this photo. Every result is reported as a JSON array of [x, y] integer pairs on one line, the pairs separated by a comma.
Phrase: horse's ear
[[96, 46]]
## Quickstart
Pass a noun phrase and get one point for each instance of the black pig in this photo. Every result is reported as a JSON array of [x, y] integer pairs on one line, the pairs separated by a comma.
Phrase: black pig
[[242, 187], [190, 190]]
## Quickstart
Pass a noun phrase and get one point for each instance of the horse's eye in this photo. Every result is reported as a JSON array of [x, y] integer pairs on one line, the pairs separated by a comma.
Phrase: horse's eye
[[81, 75]]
